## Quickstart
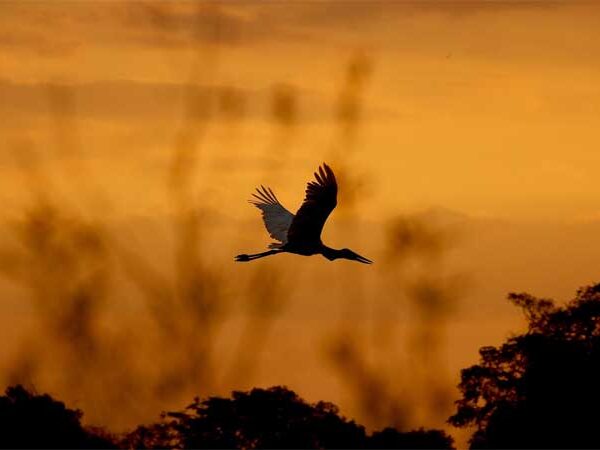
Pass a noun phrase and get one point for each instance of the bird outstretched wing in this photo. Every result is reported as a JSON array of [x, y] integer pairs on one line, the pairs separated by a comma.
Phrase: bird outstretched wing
[[277, 219], [320, 200]]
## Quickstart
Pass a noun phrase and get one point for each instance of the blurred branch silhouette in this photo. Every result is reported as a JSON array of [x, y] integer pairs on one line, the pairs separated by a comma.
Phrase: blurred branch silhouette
[[418, 284], [416, 251], [68, 260], [368, 383], [82, 272]]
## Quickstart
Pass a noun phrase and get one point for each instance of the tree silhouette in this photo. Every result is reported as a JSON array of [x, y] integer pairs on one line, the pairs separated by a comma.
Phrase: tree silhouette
[[271, 418], [539, 389], [418, 439], [28, 420], [260, 418]]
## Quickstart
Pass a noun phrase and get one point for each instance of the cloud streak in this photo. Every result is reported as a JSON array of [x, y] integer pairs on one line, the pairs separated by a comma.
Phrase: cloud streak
[[135, 100]]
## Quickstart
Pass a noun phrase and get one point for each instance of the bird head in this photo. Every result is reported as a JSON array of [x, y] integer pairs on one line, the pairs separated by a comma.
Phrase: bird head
[[346, 253]]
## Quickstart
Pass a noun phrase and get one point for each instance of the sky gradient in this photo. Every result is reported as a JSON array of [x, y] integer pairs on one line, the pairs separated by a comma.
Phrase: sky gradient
[[478, 117]]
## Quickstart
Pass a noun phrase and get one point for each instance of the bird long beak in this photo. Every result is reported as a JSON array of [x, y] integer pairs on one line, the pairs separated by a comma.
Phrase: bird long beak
[[363, 260]]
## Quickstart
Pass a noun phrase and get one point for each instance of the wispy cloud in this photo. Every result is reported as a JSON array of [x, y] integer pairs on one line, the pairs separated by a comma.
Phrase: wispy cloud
[[136, 100], [50, 29]]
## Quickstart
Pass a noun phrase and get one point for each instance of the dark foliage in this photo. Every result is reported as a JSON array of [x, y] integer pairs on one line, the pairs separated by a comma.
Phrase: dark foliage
[[274, 418], [540, 389], [418, 439], [271, 418], [28, 420], [261, 418]]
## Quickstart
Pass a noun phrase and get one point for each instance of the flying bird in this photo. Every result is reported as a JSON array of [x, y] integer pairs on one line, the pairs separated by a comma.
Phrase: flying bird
[[301, 233]]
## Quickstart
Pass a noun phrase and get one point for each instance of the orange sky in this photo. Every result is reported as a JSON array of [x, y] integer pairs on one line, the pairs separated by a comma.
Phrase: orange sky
[[488, 109]]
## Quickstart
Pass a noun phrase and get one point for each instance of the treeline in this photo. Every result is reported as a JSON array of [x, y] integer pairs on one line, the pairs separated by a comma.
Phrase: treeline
[[260, 418], [538, 390]]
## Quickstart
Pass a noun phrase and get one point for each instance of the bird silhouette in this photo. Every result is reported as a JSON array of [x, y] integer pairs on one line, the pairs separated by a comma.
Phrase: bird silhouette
[[301, 233]]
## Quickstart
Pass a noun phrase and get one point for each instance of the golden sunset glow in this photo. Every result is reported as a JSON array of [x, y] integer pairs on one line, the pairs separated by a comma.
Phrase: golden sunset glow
[[133, 134]]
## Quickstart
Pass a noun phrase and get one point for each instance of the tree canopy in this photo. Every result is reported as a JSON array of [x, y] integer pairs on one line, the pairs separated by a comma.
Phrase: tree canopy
[[539, 389], [28, 420], [272, 418]]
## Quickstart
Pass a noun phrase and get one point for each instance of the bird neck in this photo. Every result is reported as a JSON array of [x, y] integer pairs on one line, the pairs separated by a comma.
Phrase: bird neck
[[330, 253]]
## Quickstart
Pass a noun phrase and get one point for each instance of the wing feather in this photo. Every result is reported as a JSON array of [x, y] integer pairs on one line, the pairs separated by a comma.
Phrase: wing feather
[[277, 219], [320, 200]]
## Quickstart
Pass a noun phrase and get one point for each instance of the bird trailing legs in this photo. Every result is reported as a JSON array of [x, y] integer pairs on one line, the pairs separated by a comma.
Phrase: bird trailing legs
[[245, 258]]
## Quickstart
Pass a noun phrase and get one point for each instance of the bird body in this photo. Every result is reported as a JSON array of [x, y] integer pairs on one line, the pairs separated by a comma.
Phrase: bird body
[[301, 233]]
